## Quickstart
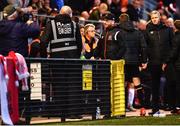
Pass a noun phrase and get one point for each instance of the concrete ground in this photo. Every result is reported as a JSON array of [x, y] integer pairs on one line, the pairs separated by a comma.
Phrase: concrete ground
[[38, 120]]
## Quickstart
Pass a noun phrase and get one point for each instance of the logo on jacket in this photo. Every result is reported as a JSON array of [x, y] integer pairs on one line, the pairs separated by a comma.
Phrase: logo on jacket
[[110, 37], [151, 32], [64, 28]]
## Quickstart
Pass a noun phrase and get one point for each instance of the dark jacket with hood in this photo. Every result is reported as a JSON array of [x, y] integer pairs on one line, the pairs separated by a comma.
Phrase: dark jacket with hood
[[134, 42], [14, 36], [64, 38], [158, 38]]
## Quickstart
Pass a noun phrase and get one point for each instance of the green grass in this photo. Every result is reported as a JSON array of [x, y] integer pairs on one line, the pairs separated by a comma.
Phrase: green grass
[[169, 120]]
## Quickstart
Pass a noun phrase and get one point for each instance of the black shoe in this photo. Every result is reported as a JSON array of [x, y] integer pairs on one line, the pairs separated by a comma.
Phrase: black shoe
[[152, 113], [168, 108], [175, 111]]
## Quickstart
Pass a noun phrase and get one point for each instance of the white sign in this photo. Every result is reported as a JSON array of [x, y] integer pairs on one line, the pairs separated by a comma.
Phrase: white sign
[[35, 81]]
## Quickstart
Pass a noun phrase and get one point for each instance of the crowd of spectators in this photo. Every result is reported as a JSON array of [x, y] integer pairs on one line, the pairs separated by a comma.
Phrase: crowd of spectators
[[96, 19]]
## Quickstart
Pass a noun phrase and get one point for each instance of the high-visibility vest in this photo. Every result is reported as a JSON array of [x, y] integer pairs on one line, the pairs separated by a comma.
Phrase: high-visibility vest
[[64, 37]]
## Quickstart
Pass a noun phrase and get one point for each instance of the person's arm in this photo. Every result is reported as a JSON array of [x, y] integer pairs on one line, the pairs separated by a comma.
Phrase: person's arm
[[45, 38], [143, 48], [78, 40]]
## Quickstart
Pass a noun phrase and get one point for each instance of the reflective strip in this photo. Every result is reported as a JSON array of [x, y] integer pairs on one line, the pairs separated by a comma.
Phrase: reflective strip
[[64, 49], [115, 36], [74, 28], [63, 39], [54, 29]]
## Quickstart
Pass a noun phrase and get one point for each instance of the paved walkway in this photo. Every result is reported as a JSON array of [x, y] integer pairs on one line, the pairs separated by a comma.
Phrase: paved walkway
[[38, 120], [137, 113]]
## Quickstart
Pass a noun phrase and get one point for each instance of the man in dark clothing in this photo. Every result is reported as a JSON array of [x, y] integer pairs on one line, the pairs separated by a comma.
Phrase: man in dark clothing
[[110, 46], [14, 35], [158, 38], [135, 10], [135, 54], [175, 59], [64, 36]]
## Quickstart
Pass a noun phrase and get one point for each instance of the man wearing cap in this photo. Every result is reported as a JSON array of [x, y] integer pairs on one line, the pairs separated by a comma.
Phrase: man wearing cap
[[13, 34], [110, 46]]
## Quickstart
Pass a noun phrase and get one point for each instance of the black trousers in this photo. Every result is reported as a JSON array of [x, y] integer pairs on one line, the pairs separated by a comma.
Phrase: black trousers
[[156, 73], [178, 87]]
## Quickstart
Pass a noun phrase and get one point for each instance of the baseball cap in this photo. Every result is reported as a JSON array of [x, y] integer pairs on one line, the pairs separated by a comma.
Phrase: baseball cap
[[9, 10]]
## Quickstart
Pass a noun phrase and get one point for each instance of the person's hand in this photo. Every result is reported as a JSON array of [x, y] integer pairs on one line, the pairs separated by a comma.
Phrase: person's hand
[[30, 9], [164, 66], [29, 22], [92, 58], [144, 65]]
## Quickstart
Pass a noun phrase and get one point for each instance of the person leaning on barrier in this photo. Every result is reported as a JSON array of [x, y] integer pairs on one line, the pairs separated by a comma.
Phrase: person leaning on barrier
[[89, 42], [63, 36], [110, 46], [14, 34]]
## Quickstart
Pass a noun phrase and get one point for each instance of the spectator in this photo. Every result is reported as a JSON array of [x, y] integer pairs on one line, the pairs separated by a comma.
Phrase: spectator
[[21, 5], [14, 35], [97, 12], [85, 14], [115, 8], [110, 46], [135, 10], [58, 4], [158, 38], [65, 31], [90, 42], [34, 48]]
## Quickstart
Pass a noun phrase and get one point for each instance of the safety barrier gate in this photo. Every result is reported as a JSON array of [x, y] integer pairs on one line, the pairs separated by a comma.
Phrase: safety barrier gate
[[64, 88]]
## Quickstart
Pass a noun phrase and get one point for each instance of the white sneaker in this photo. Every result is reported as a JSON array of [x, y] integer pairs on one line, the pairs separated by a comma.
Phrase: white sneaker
[[159, 114]]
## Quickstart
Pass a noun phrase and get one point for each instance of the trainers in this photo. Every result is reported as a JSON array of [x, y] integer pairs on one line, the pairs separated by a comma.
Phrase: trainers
[[159, 114], [132, 109]]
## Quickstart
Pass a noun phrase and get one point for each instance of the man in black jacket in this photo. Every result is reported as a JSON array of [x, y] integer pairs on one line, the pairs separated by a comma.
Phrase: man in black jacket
[[135, 54], [158, 38], [175, 59], [64, 36], [110, 46]]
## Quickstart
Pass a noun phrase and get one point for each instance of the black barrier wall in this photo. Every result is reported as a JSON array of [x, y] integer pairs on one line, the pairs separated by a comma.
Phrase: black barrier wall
[[66, 88]]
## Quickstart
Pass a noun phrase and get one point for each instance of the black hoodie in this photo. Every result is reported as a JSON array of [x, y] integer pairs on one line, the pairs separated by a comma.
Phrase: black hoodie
[[134, 42]]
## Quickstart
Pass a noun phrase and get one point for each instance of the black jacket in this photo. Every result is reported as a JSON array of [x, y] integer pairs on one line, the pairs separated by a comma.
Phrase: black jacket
[[14, 36], [158, 38], [66, 42], [134, 42], [175, 52], [110, 46]]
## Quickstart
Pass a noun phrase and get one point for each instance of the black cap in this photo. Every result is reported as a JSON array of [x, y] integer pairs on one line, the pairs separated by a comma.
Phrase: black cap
[[108, 16]]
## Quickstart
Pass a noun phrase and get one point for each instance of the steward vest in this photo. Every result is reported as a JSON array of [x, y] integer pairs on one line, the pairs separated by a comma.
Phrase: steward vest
[[64, 37]]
